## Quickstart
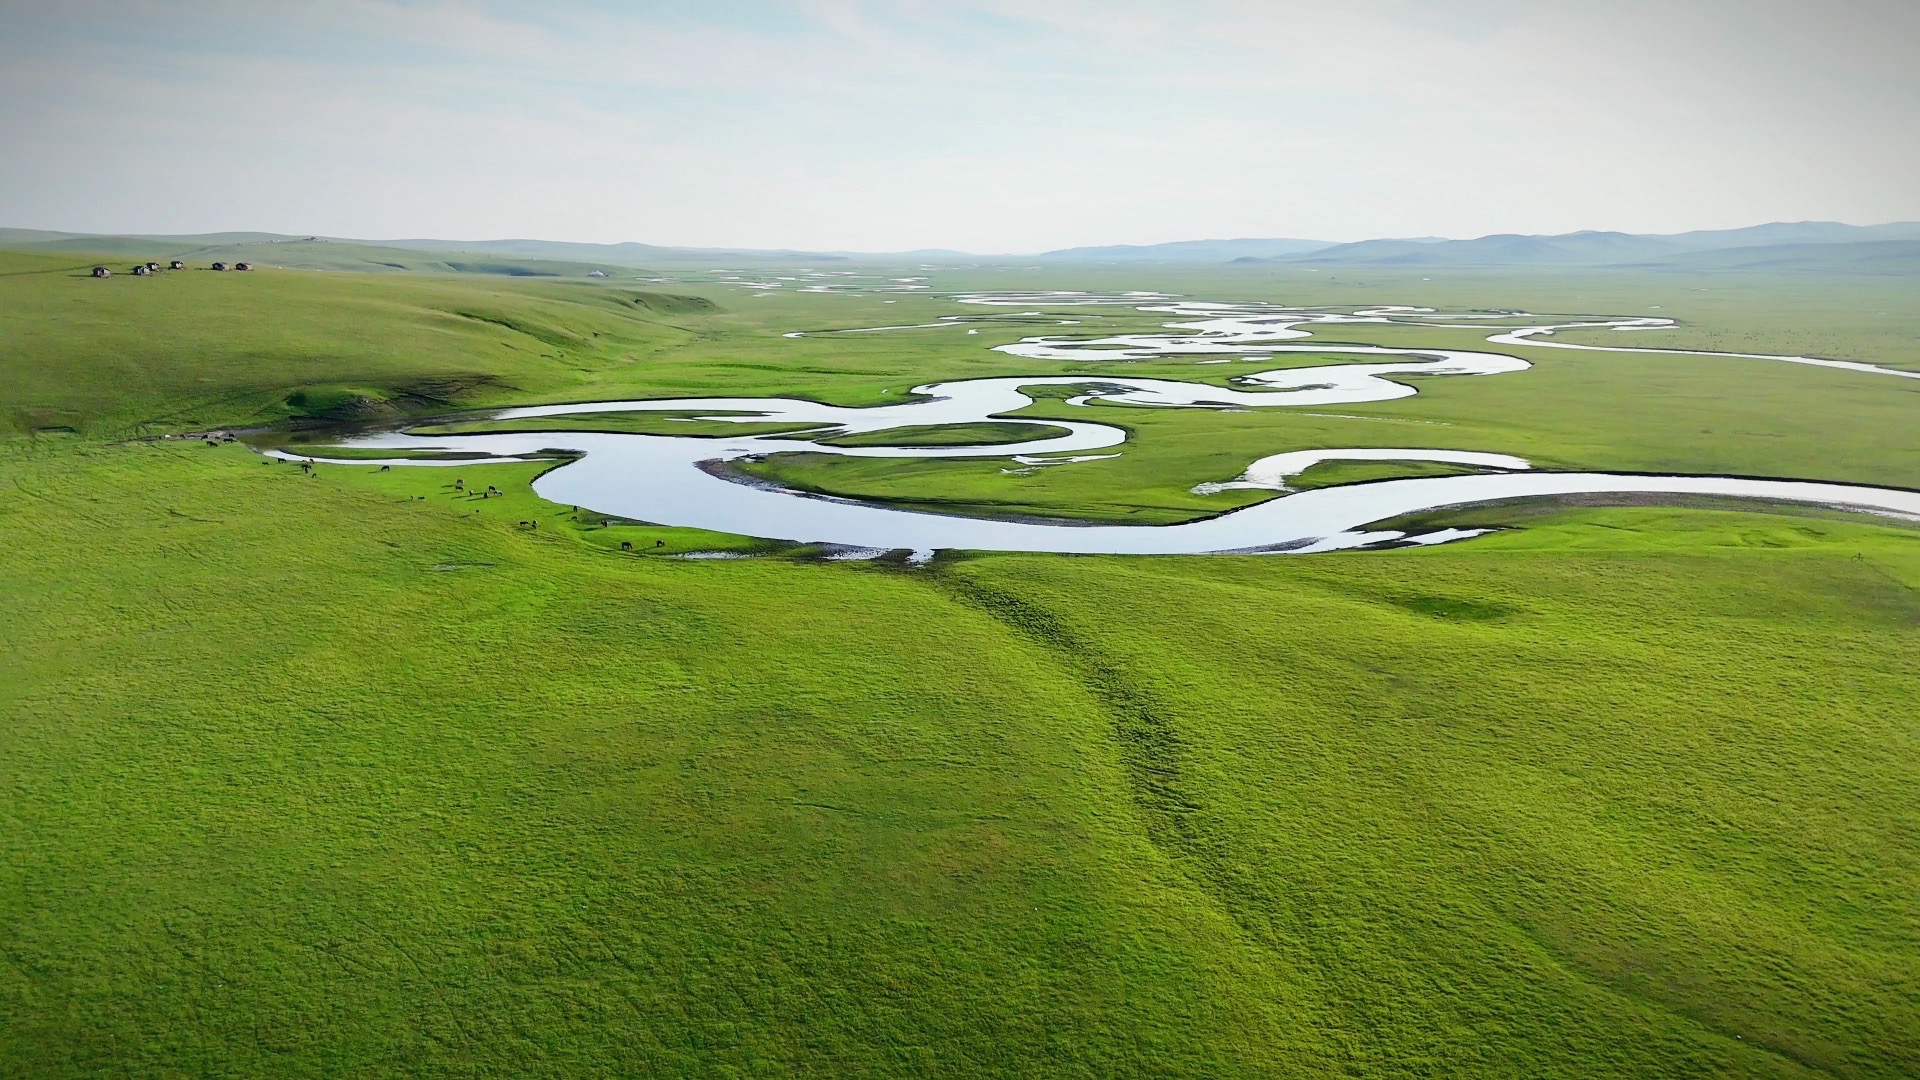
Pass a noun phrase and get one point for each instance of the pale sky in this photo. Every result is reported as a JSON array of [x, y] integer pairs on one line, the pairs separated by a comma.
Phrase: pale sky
[[983, 125]]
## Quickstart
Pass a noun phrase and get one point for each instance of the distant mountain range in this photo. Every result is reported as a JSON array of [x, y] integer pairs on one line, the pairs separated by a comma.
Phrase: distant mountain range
[[1813, 246], [1800, 243], [1805, 245], [513, 257], [307, 253], [1191, 251]]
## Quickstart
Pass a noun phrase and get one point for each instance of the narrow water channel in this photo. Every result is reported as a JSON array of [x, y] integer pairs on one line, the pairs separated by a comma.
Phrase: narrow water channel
[[673, 480]]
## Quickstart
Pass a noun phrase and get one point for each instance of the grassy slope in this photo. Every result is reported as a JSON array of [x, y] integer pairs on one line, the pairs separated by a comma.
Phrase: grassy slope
[[120, 252], [197, 348], [502, 800], [1571, 786], [248, 846], [316, 776]]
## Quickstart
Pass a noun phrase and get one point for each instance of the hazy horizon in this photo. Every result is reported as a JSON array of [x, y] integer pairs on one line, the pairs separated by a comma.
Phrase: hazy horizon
[[988, 126], [375, 240]]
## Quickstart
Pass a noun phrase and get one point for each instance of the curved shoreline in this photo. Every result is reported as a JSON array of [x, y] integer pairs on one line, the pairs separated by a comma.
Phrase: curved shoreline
[[686, 480]]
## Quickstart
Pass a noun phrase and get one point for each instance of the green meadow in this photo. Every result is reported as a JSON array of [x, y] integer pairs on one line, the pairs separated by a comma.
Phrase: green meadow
[[350, 772]]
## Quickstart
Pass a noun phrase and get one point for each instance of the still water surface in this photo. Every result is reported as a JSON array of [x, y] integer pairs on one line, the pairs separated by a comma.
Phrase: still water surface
[[681, 480]]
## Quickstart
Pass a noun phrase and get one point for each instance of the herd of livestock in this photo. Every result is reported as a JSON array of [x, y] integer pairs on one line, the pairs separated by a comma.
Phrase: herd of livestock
[[146, 269]]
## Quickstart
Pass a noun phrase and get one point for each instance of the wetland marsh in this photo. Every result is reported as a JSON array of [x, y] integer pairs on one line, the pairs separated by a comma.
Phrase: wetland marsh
[[1149, 553], [382, 780], [684, 481]]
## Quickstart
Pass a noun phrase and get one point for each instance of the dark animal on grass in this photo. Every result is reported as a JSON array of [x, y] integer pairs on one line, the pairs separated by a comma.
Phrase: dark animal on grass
[[386, 468], [101, 271], [659, 543], [626, 545]]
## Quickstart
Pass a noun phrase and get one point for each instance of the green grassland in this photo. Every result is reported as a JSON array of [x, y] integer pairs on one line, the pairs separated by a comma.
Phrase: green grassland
[[200, 349], [982, 434], [309, 253], [1334, 473], [1572, 411], [354, 773], [699, 425]]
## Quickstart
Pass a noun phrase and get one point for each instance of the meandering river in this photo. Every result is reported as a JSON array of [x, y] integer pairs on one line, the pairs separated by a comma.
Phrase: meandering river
[[673, 480]]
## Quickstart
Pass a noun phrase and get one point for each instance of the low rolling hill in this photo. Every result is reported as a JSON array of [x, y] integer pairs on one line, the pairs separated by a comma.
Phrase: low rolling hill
[[183, 350], [1806, 246], [1803, 246], [298, 253], [1190, 251], [1862, 257]]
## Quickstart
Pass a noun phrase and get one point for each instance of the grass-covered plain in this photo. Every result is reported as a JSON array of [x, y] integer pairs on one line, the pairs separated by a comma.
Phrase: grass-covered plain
[[354, 773], [981, 434]]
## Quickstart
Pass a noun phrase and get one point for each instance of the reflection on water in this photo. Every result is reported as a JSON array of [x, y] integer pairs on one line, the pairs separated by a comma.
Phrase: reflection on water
[[661, 478]]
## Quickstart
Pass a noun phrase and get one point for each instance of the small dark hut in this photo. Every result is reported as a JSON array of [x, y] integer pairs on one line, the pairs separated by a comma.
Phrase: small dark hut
[[219, 266], [101, 271]]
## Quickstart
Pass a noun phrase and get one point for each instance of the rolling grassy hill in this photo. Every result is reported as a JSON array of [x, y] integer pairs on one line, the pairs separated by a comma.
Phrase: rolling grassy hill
[[195, 348], [1806, 246], [525, 258], [1862, 257], [354, 773], [309, 253]]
